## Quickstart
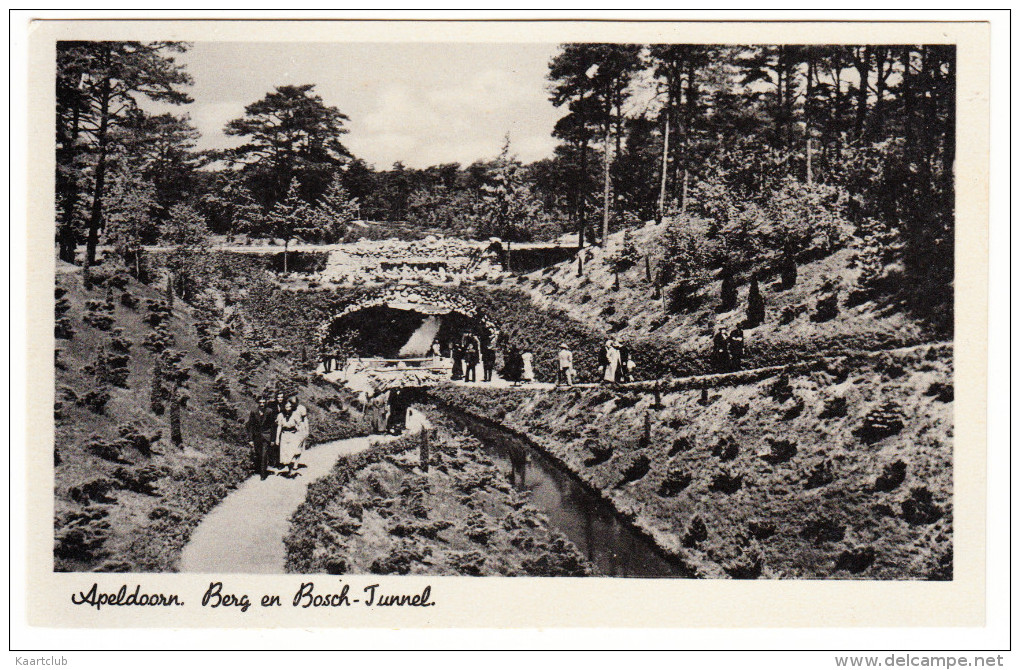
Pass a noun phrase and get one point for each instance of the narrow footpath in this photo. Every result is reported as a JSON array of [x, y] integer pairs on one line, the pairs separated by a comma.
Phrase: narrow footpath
[[244, 533]]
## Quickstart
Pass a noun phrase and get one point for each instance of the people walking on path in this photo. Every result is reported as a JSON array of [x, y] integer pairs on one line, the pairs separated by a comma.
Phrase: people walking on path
[[565, 368], [528, 371], [261, 428], [488, 362], [292, 432], [736, 349], [612, 362], [604, 359]]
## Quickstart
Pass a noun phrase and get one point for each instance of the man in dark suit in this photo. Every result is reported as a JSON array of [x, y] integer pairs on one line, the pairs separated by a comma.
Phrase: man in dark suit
[[261, 435], [488, 362]]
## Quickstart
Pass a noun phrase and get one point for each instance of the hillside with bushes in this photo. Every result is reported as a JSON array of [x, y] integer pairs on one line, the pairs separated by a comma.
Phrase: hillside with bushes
[[840, 471], [151, 400]]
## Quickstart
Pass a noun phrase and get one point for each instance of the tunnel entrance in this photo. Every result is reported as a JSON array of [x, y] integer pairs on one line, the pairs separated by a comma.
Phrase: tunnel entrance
[[392, 333], [405, 323]]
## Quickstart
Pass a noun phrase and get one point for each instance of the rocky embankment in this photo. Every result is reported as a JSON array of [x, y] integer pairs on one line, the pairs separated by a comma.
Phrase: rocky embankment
[[843, 470]]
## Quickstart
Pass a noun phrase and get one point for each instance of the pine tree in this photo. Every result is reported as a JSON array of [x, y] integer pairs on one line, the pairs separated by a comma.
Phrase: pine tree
[[337, 209], [292, 218], [509, 209], [100, 84]]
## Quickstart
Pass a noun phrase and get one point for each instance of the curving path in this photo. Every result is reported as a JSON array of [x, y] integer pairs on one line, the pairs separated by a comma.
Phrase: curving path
[[244, 533]]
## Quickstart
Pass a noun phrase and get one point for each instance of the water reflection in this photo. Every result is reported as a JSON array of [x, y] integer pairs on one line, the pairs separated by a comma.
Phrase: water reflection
[[587, 520]]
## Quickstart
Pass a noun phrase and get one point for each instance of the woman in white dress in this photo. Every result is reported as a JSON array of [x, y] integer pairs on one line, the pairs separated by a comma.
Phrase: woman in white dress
[[612, 362], [529, 370], [292, 432]]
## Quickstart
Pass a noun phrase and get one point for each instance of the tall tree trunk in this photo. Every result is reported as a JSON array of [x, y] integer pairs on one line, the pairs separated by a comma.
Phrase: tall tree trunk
[[665, 157], [605, 182], [68, 185], [683, 201], [862, 63], [807, 117], [949, 146], [580, 186], [286, 245], [96, 220], [883, 68]]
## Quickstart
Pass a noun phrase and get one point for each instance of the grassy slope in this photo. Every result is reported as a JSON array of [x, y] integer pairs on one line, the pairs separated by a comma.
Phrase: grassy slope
[[124, 529], [785, 519]]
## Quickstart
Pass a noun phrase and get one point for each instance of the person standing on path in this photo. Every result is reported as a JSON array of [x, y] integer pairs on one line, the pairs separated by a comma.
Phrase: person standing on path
[[623, 375], [736, 349], [612, 362], [720, 352], [292, 432], [488, 362], [471, 359], [275, 408], [458, 357], [565, 372], [514, 365], [261, 425], [528, 359]]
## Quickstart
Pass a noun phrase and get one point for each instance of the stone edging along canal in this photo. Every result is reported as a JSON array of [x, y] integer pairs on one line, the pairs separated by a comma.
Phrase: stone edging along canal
[[658, 540]]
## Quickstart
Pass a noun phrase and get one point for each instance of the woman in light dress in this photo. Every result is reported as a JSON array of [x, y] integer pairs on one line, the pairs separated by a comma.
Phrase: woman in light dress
[[292, 432], [612, 362], [529, 370]]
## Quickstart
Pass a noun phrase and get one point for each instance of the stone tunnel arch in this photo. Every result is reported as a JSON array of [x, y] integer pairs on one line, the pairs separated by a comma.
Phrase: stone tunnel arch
[[402, 322]]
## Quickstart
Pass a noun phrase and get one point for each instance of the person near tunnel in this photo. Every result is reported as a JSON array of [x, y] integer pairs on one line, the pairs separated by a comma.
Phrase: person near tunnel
[[488, 362], [471, 358], [457, 353], [514, 365]]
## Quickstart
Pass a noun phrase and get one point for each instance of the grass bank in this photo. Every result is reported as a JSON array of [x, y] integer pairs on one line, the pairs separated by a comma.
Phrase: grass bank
[[842, 470]]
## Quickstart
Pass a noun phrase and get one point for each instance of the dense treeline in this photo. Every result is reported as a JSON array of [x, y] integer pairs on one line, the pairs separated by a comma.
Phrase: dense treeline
[[760, 154]]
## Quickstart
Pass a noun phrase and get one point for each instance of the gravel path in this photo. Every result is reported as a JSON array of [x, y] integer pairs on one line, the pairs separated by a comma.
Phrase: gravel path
[[244, 533]]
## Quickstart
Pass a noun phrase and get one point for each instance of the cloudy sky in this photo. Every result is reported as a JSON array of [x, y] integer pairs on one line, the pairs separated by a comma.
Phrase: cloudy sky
[[422, 104]]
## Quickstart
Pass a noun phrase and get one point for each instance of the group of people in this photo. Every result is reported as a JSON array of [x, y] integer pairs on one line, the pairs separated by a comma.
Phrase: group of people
[[278, 432], [727, 350], [616, 363], [467, 354], [518, 366]]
